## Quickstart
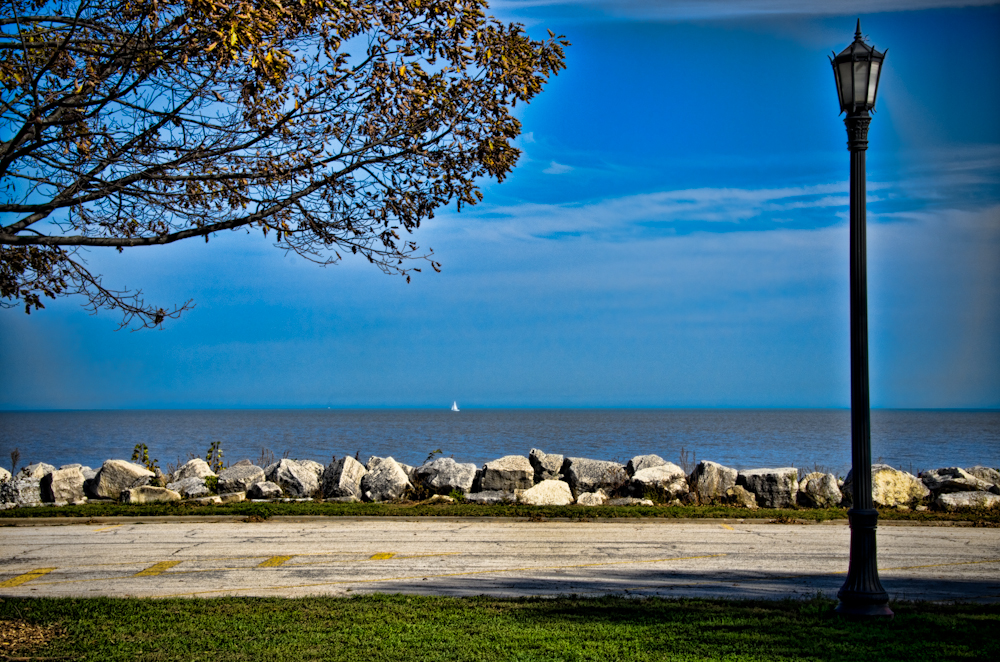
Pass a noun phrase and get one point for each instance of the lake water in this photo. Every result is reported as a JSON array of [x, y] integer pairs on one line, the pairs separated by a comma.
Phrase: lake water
[[913, 440]]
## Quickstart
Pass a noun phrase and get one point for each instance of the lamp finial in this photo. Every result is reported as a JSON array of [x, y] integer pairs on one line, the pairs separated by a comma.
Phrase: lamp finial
[[857, 33]]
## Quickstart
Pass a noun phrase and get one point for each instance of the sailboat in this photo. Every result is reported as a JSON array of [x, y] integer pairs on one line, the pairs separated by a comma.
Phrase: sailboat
[[454, 405]]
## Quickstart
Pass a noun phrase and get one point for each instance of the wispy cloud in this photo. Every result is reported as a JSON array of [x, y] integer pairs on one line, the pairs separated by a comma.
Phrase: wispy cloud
[[557, 169]]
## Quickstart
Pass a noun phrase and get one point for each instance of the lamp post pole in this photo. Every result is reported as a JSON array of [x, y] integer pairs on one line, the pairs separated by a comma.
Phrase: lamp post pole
[[862, 594]]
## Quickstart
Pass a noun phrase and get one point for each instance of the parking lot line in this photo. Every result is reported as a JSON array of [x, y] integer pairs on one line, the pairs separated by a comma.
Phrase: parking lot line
[[157, 569], [26, 577], [274, 562]]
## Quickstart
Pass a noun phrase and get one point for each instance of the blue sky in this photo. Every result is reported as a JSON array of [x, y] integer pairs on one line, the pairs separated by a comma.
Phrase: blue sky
[[673, 236]]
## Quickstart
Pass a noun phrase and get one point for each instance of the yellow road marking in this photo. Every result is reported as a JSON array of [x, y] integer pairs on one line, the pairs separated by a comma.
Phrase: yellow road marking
[[726, 526], [157, 569], [274, 562], [382, 556], [26, 577], [107, 528]]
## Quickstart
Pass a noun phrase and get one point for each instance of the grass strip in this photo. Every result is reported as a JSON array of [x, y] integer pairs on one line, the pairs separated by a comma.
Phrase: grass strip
[[982, 517], [372, 628]]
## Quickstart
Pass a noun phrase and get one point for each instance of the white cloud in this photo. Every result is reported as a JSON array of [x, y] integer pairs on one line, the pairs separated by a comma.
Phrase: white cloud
[[557, 169]]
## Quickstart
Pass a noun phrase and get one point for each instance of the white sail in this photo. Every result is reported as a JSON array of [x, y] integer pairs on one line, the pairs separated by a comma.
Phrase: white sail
[[454, 405]]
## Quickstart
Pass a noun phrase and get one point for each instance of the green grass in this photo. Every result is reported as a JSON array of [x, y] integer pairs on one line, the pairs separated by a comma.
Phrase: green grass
[[379, 627], [983, 517]]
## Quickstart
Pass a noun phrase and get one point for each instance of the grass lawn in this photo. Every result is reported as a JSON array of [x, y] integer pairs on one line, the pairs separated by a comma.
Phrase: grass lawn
[[396, 627], [982, 517]]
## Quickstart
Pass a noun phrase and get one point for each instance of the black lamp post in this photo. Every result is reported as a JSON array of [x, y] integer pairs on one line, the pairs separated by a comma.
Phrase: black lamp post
[[857, 69]]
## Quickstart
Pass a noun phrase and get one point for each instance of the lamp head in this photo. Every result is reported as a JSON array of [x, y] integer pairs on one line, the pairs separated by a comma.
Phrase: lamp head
[[856, 70]]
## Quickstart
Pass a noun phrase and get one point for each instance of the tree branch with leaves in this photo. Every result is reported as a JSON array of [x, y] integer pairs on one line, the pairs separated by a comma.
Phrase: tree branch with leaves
[[329, 126]]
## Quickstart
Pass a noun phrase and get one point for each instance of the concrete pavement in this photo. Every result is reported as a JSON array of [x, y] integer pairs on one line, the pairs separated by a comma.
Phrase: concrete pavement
[[502, 557]]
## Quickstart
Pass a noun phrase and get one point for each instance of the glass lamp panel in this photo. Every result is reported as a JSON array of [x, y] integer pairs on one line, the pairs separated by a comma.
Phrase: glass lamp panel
[[873, 78], [846, 85], [861, 91]]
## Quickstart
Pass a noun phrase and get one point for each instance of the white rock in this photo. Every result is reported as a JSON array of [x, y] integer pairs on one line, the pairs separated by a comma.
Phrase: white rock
[[640, 462], [547, 493], [961, 500], [298, 480], [239, 478], [819, 490], [710, 481], [264, 490], [597, 498], [190, 487], [4, 474], [343, 478], [38, 470], [63, 485], [890, 487], [117, 475], [547, 466], [511, 472], [444, 475], [384, 481], [665, 479], [196, 468], [491, 497], [148, 494], [773, 488], [586, 475]]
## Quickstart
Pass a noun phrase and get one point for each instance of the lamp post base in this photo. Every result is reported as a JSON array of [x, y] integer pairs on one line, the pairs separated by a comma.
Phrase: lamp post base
[[861, 611], [862, 595]]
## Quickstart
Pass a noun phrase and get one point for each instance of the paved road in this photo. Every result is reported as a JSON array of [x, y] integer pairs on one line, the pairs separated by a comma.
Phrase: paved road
[[341, 556]]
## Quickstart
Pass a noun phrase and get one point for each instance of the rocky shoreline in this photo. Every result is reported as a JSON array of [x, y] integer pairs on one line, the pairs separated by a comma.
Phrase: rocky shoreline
[[537, 479]]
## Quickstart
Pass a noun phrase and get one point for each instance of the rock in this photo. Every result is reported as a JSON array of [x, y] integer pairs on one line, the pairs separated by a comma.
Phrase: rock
[[547, 466], [233, 497], [440, 499], [21, 491], [196, 468], [491, 496], [511, 472], [819, 490], [408, 470], [190, 487], [384, 481], [710, 481], [239, 479], [597, 498], [667, 481], [117, 475], [313, 466], [444, 475], [38, 470], [243, 463], [953, 479], [342, 478], [547, 493], [962, 500], [89, 473], [148, 494], [890, 487], [738, 496], [297, 480], [63, 485], [264, 490], [640, 462], [585, 475], [629, 501], [345, 499], [987, 474], [4, 474], [773, 488]]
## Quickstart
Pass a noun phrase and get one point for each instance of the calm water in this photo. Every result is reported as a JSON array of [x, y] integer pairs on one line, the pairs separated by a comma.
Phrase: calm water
[[740, 438]]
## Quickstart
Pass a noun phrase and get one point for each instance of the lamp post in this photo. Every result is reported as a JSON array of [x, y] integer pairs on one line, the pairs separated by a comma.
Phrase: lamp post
[[856, 70]]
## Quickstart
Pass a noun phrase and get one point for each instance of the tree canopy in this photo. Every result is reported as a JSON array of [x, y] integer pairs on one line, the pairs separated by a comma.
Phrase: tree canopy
[[329, 126]]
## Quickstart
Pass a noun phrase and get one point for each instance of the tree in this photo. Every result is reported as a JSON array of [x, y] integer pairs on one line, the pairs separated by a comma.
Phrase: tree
[[328, 125]]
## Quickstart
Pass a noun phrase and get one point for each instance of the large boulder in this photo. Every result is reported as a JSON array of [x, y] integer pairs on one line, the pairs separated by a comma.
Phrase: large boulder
[[666, 481], [819, 490], [196, 468], [117, 475], [963, 500], [987, 474], [738, 496], [63, 485], [21, 491], [239, 478], [773, 488], [297, 480], [149, 494], [511, 472], [385, 480], [640, 462], [547, 466], [4, 474], [953, 479], [710, 481], [264, 490], [547, 493], [585, 475], [191, 487], [444, 475], [342, 478], [597, 498], [890, 487], [313, 466], [38, 470]]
